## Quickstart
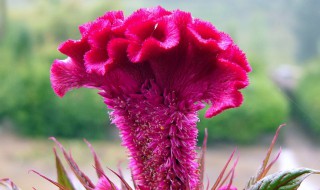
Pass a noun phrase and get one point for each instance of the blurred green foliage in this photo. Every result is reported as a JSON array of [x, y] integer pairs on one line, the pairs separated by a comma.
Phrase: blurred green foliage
[[263, 110], [308, 98], [34, 29], [27, 52], [307, 29]]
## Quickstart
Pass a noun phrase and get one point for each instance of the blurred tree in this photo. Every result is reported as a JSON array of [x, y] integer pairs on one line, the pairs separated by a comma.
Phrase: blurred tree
[[3, 18], [33, 31], [308, 99], [22, 44], [307, 28], [263, 109]]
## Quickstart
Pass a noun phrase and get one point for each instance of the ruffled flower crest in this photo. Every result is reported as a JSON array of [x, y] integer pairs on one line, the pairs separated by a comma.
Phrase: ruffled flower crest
[[155, 69]]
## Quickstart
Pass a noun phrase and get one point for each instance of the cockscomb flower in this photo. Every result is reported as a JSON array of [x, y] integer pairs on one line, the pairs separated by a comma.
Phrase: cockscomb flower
[[155, 70]]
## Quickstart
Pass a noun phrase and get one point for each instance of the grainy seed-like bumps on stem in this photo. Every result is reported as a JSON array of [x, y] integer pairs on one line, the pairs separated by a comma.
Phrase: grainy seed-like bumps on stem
[[155, 69]]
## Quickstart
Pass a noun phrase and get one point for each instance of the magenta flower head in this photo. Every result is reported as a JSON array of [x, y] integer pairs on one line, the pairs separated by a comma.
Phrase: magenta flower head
[[155, 70]]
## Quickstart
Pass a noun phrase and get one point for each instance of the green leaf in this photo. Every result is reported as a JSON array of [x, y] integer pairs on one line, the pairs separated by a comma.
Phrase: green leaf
[[284, 180], [63, 178], [83, 178], [50, 180]]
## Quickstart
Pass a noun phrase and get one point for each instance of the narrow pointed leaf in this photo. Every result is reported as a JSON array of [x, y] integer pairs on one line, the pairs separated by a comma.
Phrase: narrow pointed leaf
[[113, 186], [122, 180], [8, 184], [62, 175], [265, 167], [284, 180], [133, 181], [202, 158], [84, 180], [220, 177], [97, 163], [262, 171], [121, 175], [272, 163], [231, 172], [50, 180], [208, 183]]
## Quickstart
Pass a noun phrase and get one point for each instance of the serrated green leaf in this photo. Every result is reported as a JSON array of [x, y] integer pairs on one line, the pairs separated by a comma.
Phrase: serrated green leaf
[[284, 180], [62, 175]]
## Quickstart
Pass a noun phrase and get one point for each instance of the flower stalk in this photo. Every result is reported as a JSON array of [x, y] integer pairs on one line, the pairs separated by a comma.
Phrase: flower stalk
[[289, 179]]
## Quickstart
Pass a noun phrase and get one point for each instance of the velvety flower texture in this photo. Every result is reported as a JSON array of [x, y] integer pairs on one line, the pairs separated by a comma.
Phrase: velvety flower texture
[[103, 184], [155, 69]]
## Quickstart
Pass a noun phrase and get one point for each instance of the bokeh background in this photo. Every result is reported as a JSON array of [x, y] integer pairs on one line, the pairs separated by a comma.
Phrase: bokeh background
[[281, 39]]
